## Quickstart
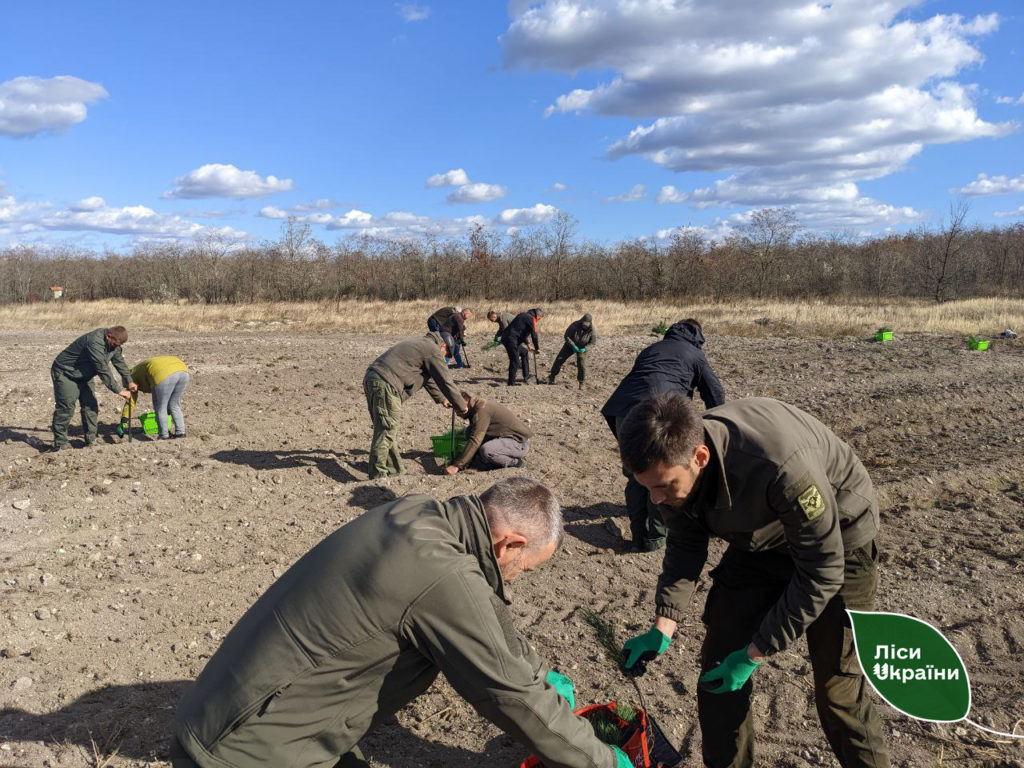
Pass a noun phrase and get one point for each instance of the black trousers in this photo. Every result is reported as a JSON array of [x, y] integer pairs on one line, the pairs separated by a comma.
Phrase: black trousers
[[745, 587], [518, 357]]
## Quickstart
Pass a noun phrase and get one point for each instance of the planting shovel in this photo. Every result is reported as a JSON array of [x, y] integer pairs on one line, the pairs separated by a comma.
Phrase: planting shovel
[[536, 378], [451, 441]]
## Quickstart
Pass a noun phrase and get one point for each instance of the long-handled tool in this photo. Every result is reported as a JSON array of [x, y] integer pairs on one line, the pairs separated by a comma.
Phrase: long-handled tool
[[451, 439], [465, 354], [536, 378]]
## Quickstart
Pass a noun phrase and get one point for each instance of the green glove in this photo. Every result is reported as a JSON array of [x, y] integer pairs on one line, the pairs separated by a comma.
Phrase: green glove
[[621, 759], [731, 675], [574, 347], [563, 685], [581, 350], [644, 648]]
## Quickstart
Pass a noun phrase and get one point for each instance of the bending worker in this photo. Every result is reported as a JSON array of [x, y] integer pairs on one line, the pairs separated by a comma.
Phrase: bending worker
[[392, 379], [365, 621], [72, 373], [515, 336], [166, 378], [579, 336], [800, 516], [450, 322], [496, 438], [673, 364]]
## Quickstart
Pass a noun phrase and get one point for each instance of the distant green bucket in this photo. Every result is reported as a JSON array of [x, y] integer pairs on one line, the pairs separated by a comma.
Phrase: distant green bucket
[[443, 444], [150, 425], [978, 344], [883, 334]]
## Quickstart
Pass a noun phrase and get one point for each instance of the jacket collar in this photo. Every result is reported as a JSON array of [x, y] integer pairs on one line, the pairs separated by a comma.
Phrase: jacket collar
[[467, 518], [712, 488]]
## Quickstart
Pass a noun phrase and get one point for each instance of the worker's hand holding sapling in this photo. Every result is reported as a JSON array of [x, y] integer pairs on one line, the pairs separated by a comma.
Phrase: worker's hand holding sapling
[[644, 648], [563, 685]]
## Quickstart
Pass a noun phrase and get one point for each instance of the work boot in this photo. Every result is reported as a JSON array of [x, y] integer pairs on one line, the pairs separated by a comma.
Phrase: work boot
[[551, 379], [54, 447], [122, 427], [581, 387]]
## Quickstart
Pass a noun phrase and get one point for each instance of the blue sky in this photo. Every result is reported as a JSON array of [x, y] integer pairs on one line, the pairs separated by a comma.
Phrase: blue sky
[[133, 122]]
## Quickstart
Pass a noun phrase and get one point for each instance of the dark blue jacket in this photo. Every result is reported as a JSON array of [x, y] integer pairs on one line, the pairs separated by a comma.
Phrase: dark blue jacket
[[524, 325], [674, 364]]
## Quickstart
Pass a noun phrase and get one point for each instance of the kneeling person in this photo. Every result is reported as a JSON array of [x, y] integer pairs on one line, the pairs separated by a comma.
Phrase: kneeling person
[[363, 623], [496, 437]]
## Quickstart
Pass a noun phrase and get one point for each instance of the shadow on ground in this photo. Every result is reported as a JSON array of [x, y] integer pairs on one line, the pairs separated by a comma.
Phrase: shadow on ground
[[593, 525], [328, 462]]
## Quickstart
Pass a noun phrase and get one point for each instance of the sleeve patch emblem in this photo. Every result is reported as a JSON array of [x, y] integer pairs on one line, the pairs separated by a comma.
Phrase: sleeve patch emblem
[[811, 503]]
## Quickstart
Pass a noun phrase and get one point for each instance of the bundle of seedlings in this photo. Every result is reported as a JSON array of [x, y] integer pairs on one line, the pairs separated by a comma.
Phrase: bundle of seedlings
[[619, 723]]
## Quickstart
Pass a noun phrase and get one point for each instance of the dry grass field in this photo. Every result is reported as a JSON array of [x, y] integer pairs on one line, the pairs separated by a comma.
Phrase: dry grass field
[[123, 566], [802, 319]]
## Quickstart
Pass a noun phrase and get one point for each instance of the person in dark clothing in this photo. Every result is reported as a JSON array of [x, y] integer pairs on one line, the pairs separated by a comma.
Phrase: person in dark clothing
[[496, 438], [800, 515], [503, 319], [579, 336], [72, 372], [453, 330], [674, 364], [517, 332]]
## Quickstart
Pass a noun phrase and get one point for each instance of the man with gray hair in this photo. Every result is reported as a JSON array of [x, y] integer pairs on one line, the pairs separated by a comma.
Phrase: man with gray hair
[[363, 623]]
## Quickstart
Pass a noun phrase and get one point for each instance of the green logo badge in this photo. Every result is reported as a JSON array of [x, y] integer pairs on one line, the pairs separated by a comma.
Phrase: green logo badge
[[912, 666], [811, 503]]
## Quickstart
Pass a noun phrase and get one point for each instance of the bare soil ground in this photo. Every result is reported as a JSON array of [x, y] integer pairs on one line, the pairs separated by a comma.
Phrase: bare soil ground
[[131, 561]]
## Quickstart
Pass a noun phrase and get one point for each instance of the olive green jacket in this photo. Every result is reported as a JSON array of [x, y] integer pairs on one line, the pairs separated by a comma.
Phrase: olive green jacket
[[361, 625], [89, 356], [778, 479], [488, 420], [418, 362]]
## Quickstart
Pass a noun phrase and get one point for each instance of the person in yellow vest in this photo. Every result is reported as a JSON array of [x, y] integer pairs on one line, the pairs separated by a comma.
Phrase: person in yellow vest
[[166, 378]]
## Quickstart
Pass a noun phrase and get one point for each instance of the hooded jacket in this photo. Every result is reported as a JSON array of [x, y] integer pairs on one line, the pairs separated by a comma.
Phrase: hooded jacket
[[361, 625], [674, 364], [580, 335]]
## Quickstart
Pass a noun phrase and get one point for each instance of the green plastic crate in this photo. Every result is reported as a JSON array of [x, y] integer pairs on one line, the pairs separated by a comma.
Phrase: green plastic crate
[[443, 443], [150, 425], [979, 344], [884, 334]]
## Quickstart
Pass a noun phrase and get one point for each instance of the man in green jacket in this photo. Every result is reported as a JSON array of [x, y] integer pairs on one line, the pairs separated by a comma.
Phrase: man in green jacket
[[72, 373], [800, 515], [364, 622], [496, 437], [579, 336], [392, 379]]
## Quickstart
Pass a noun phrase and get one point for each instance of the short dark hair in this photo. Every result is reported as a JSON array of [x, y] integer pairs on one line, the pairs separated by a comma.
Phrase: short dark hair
[[662, 430], [118, 334], [694, 322], [526, 507]]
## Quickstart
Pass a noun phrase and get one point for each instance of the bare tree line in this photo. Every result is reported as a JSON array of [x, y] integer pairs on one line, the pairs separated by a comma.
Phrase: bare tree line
[[769, 257]]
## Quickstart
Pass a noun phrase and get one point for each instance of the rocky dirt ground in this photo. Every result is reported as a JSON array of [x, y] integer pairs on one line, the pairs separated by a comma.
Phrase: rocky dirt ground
[[123, 565]]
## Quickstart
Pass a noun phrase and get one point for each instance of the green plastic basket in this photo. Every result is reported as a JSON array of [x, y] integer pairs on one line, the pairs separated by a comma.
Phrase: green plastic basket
[[884, 334], [150, 425], [443, 443], [979, 344]]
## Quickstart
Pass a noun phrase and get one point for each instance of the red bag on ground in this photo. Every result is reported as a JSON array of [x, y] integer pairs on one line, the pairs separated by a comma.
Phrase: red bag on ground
[[635, 743]]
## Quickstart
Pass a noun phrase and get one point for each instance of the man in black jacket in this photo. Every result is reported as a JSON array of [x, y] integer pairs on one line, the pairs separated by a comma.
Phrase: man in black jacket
[[674, 364], [516, 333]]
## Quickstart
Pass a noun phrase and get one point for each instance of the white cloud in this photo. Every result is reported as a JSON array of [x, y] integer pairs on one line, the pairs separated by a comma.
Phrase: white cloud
[[93, 214], [33, 105], [795, 101], [413, 11], [271, 212], [986, 185], [997, 214], [636, 192], [1010, 100], [558, 187], [521, 217], [225, 180], [323, 204], [453, 178], [476, 193], [669, 194], [89, 204]]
